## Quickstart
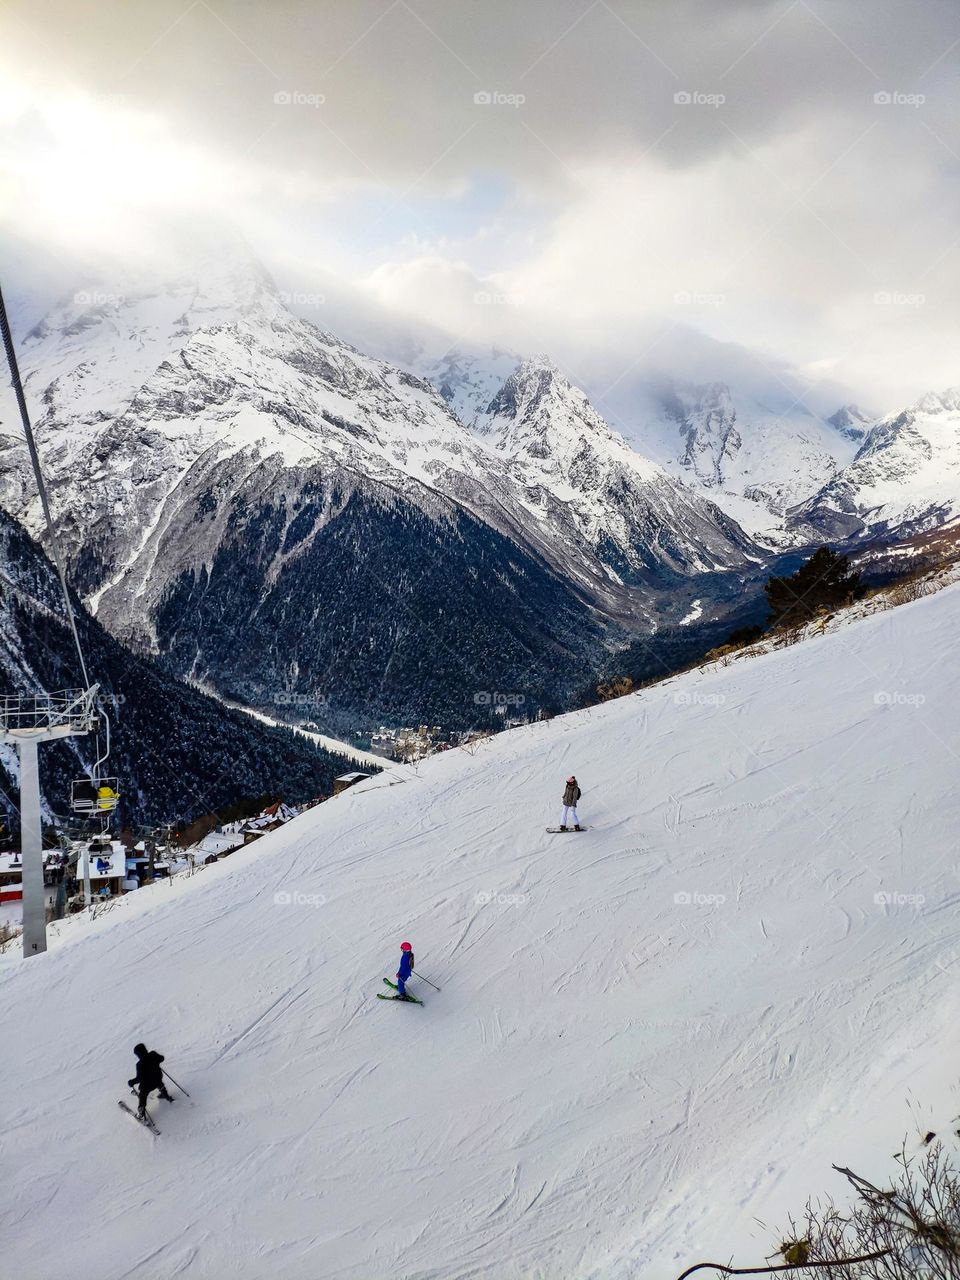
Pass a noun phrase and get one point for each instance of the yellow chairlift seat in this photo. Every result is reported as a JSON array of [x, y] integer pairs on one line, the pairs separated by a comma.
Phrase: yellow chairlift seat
[[107, 797], [94, 796]]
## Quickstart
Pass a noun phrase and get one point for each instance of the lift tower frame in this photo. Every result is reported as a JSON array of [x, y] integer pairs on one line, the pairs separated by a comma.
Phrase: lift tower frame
[[27, 720]]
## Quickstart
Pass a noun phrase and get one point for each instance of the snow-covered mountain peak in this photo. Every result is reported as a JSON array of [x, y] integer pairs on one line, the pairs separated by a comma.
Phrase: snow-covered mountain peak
[[756, 455], [103, 341], [905, 476], [469, 380], [935, 402], [702, 397], [756, 446], [534, 388], [851, 421], [189, 425], [576, 468], [540, 417]]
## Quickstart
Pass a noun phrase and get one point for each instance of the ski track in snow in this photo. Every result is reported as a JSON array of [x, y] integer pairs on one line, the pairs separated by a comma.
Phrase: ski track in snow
[[648, 1038]]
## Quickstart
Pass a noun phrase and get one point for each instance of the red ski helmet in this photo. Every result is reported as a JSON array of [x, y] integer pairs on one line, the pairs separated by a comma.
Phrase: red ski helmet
[[405, 946]]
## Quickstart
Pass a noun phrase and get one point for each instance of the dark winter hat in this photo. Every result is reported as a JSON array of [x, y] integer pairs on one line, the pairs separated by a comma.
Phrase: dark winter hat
[[139, 1050]]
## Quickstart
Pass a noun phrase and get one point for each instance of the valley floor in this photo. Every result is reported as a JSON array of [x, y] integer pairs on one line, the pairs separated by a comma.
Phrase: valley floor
[[649, 1036]]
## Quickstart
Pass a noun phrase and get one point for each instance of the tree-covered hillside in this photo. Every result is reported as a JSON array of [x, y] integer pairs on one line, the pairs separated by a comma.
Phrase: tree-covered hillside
[[176, 752]]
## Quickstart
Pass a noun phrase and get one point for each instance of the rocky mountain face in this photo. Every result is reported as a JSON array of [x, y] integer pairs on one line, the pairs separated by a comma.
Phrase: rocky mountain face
[[905, 478], [581, 476], [468, 380], [851, 421], [177, 753], [753, 457], [290, 522], [270, 511], [752, 451], [765, 457]]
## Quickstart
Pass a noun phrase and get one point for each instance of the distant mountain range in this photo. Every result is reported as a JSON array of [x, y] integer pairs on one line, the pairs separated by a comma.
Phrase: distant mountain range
[[286, 520]]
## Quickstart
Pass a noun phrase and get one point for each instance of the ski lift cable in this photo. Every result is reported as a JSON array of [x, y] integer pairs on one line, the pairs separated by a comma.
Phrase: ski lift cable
[[41, 485]]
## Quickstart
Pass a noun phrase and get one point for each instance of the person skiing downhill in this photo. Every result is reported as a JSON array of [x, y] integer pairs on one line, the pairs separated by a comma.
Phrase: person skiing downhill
[[405, 970], [571, 795], [149, 1077]]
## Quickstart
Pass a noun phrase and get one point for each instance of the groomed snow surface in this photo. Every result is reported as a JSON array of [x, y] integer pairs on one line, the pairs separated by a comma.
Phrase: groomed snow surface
[[649, 1036]]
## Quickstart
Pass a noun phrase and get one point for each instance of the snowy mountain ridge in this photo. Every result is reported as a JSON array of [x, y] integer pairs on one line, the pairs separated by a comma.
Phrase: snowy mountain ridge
[[770, 458], [753, 455], [216, 462], [556, 443], [307, 396], [904, 479], [238, 468]]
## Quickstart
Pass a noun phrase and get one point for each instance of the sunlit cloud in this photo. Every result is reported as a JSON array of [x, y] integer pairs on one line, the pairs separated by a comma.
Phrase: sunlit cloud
[[767, 175]]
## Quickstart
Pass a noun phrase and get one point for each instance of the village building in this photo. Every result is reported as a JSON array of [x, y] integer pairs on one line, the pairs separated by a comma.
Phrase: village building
[[217, 844], [11, 877], [347, 780]]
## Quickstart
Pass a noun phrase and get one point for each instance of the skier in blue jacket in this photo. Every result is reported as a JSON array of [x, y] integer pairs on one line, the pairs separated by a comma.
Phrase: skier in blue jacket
[[405, 970]]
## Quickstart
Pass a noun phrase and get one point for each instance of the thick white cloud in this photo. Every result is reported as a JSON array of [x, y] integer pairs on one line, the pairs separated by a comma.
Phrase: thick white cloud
[[798, 214]]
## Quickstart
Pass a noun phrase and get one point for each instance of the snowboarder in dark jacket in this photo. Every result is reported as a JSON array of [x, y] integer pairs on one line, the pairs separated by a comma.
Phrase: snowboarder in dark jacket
[[571, 795], [149, 1076], [405, 970]]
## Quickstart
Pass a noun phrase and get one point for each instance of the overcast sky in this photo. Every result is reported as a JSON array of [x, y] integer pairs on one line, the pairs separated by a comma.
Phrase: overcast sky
[[780, 173]]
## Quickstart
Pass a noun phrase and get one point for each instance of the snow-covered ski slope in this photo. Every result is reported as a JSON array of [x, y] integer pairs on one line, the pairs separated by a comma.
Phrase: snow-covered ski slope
[[648, 1036]]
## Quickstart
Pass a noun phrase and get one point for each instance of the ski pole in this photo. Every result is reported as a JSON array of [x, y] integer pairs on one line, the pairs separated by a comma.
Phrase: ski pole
[[427, 980], [172, 1081]]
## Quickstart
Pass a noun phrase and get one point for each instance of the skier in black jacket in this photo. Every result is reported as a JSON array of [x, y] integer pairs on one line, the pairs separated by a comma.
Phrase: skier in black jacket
[[149, 1076]]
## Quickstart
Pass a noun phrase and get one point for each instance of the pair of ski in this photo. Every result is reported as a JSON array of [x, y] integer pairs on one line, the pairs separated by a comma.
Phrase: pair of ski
[[145, 1119], [409, 1000]]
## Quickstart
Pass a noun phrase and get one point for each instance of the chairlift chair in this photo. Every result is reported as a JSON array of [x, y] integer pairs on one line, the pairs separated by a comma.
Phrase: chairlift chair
[[96, 795]]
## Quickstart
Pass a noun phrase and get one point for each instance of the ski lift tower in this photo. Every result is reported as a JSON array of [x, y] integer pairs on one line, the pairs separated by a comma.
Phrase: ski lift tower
[[26, 720]]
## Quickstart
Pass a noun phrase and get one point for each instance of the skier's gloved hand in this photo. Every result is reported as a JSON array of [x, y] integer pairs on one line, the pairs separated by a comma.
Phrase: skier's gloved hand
[[132, 1082]]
